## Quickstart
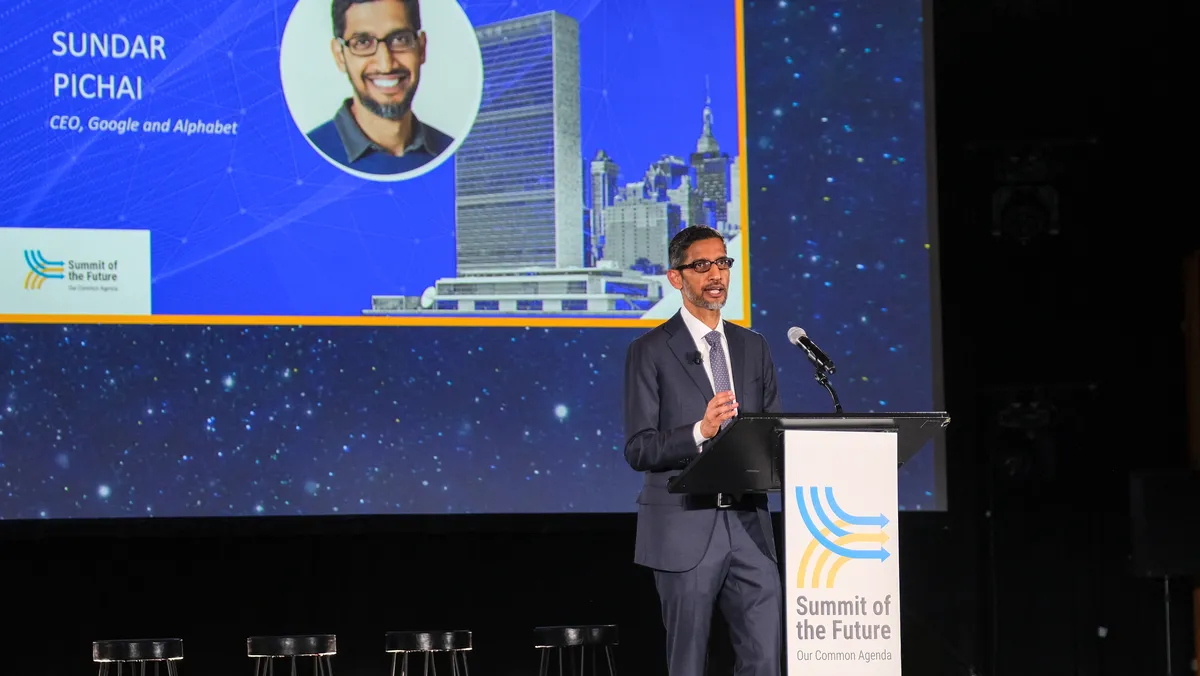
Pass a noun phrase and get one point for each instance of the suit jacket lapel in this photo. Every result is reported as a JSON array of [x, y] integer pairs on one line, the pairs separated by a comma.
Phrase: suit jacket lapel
[[685, 350], [737, 358]]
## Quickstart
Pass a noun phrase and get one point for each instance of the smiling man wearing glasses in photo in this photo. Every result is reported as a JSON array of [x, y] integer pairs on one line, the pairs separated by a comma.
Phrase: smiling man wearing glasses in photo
[[380, 47]]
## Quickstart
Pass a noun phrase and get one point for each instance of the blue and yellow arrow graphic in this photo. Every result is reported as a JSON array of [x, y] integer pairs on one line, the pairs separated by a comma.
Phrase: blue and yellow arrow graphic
[[835, 537], [40, 269]]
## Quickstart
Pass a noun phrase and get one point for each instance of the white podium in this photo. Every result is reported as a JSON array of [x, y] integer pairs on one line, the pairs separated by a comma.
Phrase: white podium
[[840, 551]]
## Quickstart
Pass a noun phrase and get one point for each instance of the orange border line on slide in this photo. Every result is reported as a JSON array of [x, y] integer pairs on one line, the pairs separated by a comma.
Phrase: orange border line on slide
[[739, 26], [450, 320]]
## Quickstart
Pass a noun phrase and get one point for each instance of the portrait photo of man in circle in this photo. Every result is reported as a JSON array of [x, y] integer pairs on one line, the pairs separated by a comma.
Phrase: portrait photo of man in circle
[[380, 47]]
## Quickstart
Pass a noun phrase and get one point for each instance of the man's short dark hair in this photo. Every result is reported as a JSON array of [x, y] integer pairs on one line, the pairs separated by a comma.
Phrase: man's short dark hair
[[684, 239], [413, 7]]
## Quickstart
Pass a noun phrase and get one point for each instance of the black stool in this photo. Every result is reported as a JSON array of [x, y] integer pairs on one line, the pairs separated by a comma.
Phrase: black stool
[[266, 650], [136, 653], [573, 643], [453, 644]]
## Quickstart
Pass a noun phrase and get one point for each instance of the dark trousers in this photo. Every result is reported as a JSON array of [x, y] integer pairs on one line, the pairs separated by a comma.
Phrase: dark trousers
[[743, 582]]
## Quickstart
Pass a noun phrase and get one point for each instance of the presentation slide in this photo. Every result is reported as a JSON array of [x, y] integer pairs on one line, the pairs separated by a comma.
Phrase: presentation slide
[[302, 257], [381, 163]]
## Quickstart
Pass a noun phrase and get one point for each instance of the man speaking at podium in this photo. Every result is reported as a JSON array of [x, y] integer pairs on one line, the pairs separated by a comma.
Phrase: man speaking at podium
[[684, 381]]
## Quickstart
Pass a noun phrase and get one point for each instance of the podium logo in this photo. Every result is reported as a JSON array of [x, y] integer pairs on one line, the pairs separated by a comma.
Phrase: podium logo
[[837, 540], [40, 269]]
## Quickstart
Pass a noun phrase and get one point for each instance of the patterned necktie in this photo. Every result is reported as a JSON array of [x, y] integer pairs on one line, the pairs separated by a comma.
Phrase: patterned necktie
[[720, 373]]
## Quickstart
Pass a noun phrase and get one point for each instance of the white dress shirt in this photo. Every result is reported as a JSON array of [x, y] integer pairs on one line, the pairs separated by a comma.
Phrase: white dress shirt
[[698, 329]]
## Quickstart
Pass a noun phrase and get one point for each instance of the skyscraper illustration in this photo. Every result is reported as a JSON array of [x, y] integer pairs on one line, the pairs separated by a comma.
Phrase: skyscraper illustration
[[712, 169], [519, 191], [526, 190]]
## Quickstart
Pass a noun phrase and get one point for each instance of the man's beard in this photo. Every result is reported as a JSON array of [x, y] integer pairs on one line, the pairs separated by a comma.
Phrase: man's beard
[[388, 111], [701, 301]]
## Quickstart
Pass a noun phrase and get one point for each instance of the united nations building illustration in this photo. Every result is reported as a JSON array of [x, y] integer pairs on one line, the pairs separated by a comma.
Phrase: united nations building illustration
[[543, 226]]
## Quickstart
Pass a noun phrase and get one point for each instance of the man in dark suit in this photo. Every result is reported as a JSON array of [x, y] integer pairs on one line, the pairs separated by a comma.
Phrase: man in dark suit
[[684, 381]]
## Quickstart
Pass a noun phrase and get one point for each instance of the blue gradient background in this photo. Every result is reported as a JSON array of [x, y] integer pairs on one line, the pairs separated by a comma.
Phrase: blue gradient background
[[198, 421], [259, 223]]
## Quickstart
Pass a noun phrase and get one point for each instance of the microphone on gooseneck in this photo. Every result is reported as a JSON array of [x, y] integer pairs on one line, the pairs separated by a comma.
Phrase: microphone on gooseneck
[[820, 361], [798, 337]]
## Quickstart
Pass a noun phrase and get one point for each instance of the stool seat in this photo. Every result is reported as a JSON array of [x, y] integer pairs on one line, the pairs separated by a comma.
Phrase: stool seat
[[138, 650], [578, 635], [578, 650], [426, 641], [300, 645], [431, 647]]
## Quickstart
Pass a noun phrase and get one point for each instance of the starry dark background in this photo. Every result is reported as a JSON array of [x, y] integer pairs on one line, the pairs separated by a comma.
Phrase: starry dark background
[[109, 421]]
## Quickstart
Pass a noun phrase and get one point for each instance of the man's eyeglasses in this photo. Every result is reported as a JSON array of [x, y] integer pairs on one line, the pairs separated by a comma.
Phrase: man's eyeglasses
[[398, 42], [722, 263]]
